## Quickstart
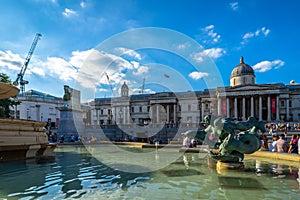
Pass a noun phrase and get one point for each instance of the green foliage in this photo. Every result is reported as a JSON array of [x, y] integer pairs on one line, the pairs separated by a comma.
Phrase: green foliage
[[6, 104], [4, 78]]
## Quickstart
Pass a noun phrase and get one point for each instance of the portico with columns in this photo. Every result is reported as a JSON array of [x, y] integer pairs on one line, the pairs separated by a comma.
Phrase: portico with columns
[[241, 103], [244, 99]]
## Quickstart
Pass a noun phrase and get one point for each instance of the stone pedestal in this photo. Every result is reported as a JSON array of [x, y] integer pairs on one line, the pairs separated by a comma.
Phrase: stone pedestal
[[70, 123]]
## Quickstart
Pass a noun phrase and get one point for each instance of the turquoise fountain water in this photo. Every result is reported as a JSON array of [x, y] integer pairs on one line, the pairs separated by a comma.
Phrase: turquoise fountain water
[[76, 174]]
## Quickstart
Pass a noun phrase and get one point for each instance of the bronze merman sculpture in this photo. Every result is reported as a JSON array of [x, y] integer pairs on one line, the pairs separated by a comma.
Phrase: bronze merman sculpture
[[236, 138]]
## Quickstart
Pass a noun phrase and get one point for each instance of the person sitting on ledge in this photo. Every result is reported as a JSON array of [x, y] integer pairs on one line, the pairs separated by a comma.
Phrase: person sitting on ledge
[[293, 144], [281, 144]]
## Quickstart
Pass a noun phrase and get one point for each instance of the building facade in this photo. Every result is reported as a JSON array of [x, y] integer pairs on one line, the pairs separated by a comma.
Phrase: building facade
[[242, 99], [38, 106]]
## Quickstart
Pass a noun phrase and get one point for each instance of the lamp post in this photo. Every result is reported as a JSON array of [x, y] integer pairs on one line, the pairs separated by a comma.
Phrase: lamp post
[[27, 113]]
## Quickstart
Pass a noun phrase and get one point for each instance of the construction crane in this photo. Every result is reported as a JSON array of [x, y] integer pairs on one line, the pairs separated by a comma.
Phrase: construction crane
[[112, 91], [19, 79], [143, 86]]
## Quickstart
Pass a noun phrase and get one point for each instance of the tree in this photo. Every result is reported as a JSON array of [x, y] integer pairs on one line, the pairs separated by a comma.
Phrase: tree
[[6, 104]]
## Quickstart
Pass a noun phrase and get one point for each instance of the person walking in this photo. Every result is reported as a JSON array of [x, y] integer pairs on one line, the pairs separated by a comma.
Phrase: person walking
[[281, 144]]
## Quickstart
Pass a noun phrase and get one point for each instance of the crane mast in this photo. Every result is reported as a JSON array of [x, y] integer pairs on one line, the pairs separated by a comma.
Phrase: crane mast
[[19, 79], [143, 86]]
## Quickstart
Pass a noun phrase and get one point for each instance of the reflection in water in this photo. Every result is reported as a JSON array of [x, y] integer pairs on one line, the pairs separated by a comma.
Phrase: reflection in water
[[75, 174], [185, 161]]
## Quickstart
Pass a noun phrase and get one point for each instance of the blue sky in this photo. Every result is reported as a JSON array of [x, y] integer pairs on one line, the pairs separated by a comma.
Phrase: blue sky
[[80, 37]]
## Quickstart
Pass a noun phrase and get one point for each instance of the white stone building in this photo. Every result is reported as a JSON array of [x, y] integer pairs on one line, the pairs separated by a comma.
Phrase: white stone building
[[38, 106], [242, 99]]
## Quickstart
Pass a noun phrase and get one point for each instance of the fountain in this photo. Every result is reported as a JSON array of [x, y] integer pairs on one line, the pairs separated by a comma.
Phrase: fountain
[[236, 138], [20, 139]]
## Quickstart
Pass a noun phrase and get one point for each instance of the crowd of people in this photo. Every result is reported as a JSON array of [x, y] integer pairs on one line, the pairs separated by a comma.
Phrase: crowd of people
[[272, 126], [280, 143]]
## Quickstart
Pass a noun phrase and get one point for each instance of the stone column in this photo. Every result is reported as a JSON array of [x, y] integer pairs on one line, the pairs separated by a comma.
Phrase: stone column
[[174, 117], [260, 108], [252, 106], [152, 114], [269, 108], [244, 108], [124, 115], [219, 106], [115, 115], [128, 115], [202, 111], [157, 113], [168, 113], [235, 107], [287, 109], [97, 117], [227, 107], [277, 107]]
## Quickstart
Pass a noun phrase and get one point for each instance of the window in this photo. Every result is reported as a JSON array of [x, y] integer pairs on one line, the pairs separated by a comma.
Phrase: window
[[206, 106], [132, 109], [189, 107], [290, 102], [101, 111], [141, 109], [282, 103]]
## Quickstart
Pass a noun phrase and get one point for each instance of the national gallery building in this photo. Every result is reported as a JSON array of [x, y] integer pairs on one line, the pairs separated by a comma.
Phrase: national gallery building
[[242, 99]]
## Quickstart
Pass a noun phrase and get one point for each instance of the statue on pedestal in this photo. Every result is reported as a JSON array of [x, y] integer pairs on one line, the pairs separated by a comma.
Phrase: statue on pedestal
[[67, 95]]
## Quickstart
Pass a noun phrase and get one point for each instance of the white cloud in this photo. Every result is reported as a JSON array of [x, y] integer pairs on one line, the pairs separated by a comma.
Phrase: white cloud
[[93, 72], [197, 75], [209, 30], [78, 57], [69, 12], [129, 52], [212, 53], [38, 71], [58, 68], [102, 90], [265, 31], [141, 70], [268, 65], [82, 4], [248, 35], [234, 5], [10, 60], [259, 32], [183, 46]]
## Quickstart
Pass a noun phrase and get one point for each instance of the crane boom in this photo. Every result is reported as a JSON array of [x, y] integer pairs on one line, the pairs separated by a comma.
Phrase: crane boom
[[112, 91], [19, 79]]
